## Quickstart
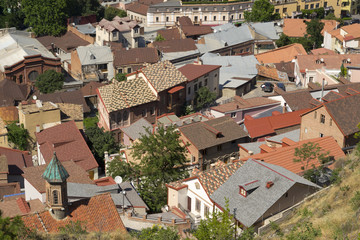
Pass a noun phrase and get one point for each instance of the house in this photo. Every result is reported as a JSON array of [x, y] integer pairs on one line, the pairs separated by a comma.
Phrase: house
[[137, 10], [259, 190], [135, 131], [69, 144], [283, 54], [233, 80], [199, 75], [283, 155], [238, 108], [35, 185], [192, 195], [212, 140], [92, 63], [131, 60], [276, 124], [20, 207], [123, 30], [85, 31], [96, 214], [11, 94], [172, 119], [338, 118], [322, 51], [296, 28], [190, 30], [4, 142], [24, 58], [72, 112], [316, 68], [343, 40], [89, 94], [271, 73], [17, 162]]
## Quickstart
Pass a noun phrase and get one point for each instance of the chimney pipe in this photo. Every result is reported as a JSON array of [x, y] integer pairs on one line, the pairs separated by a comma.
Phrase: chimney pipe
[[269, 184], [37, 128]]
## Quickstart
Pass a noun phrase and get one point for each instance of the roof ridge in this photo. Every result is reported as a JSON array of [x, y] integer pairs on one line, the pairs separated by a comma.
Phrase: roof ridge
[[258, 162]]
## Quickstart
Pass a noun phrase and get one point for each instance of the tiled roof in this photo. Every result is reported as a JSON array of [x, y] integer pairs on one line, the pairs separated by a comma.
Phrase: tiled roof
[[137, 7], [126, 94], [11, 92], [311, 62], [267, 125], [190, 31], [353, 32], [297, 27], [71, 112], [163, 75], [213, 132], [19, 207], [239, 103], [97, 214], [30, 107], [3, 129], [185, 21], [284, 156], [170, 34], [119, 24], [105, 181], [292, 99], [331, 96], [55, 171], [137, 129], [135, 56], [272, 73], [322, 51], [285, 54], [90, 89], [76, 175], [287, 67], [66, 140], [68, 42], [194, 71], [9, 114], [176, 45], [17, 160]]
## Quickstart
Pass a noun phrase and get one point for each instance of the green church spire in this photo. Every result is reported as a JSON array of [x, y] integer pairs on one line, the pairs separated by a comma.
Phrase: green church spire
[[55, 171]]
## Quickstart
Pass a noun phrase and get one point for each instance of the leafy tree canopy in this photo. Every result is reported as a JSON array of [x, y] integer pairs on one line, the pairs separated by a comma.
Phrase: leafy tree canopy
[[50, 81], [204, 98], [159, 38], [11, 14], [120, 77], [309, 152], [19, 136], [313, 30], [261, 11], [283, 40], [158, 233], [15, 229], [111, 12]]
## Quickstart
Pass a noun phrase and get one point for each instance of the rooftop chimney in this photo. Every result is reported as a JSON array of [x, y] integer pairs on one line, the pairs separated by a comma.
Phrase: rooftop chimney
[[269, 184]]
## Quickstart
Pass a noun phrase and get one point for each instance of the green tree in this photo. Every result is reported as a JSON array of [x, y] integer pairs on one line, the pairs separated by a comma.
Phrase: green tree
[[204, 98], [111, 12], [49, 81], [45, 17], [283, 40], [304, 230], [306, 42], [313, 30], [15, 229], [158, 233], [120, 77], [90, 122], [19, 136], [100, 141], [307, 153], [159, 38], [12, 14], [127, 171], [261, 11], [343, 71]]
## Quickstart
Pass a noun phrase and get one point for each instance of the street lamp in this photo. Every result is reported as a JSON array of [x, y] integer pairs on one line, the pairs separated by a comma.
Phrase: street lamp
[[123, 193]]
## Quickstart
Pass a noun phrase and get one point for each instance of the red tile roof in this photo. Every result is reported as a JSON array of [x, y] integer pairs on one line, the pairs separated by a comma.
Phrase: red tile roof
[[297, 27], [19, 206], [284, 156], [239, 103], [176, 45], [66, 140], [97, 214], [285, 54], [194, 71], [175, 89], [170, 34], [267, 125], [105, 181], [322, 51], [90, 89], [17, 160], [353, 32], [311, 62], [135, 56]]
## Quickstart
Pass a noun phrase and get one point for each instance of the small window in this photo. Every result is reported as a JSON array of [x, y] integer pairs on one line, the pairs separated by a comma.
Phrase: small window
[[205, 82], [129, 70], [307, 6], [167, 19], [189, 90], [152, 111], [206, 210], [200, 84], [125, 116], [219, 148], [284, 10], [215, 75], [315, 115], [136, 30], [143, 113], [120, 70], [233, 114], [224, 18], [317, 5], [114, 34], [277, 10], [198, 205], [322, 118], [321, 135], [157, 19], [247, 49], [205, 18], [214, 18], [55, 197], [305, 130], [195, 87], [311, 6]]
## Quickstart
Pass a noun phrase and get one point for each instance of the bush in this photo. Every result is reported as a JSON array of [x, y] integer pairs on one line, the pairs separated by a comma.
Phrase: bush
[[111, 12], [50, 81], [355, 201]]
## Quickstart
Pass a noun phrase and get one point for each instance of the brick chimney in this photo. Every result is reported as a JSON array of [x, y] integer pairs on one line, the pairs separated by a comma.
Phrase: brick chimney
[[269, 184]]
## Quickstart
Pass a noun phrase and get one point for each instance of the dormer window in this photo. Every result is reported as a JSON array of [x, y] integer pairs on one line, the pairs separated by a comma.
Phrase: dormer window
[[248, 188], [92, 56], [242, 191]]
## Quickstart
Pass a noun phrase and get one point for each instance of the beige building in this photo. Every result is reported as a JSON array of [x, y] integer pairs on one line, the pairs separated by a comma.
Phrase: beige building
[[3, 134]]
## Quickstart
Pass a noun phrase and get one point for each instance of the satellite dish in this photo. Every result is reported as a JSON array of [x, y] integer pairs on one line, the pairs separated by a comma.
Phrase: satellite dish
[[118, 179], [34, 97]]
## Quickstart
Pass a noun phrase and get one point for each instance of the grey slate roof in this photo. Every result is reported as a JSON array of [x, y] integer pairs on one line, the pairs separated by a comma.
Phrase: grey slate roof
[[252, 146], [93, 54], [292, 135], [138, 128], [250, 209], [86, 28], [266, 29]]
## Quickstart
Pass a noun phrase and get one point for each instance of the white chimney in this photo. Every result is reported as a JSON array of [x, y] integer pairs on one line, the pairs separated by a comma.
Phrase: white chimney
[[37, 128]]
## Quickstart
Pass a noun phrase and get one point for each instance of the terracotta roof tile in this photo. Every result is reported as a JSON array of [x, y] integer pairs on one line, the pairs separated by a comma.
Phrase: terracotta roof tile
[[120, 24], [284, 156], [17, 160], [77, 175], [185, 21], [353, 32], [331, 96], [292, 99], [9, 114], [126, 94], [194, 71], [137, 7], [322, 51], [285, 54], [97, 214], [311, 62], [272, 73], [240, 103], [90, 89], [135, 56], [170, 34], [297, 27], [19, 206], [190, 31], [176, 45], [66, 140], [68, 42]]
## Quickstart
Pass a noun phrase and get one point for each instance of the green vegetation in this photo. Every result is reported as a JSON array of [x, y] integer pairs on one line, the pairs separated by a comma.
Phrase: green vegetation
[[159, 38], [204, 98], [157, 233], [261, 11], [307, 153], [343, 71], [318, 13], [120, 77], [11, 14], [49, 81], [160, 159], [111, 12], [211, 2], [19, 136], [90, 122]]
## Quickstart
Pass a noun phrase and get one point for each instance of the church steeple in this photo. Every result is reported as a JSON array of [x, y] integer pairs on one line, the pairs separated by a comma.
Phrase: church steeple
[[56, 187]]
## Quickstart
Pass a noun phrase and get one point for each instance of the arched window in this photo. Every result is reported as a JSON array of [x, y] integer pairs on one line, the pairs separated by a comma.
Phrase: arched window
[[55, 197], [33, 75]]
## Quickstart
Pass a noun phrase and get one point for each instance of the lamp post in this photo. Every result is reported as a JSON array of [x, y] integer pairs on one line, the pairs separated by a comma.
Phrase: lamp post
[[123, 193]]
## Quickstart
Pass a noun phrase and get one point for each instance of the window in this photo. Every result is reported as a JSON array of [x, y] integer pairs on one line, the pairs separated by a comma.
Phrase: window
[[215, 75], [239, 16], [55, 197], [198, 205], [214, 18], [247, 49], [157, 19], [305, 130], [233, 114], [205, 18], [143, 113], [195, 87], [325, 4], [206, 210], [120, 70], [219, 147], [321, 135], [129, 70], [277, 10], [284, 10], [125, 116], [205, 82], [152, 111], [330, 121], [243, 192], [200, 84], [315, 115], [114, 34], [167, 19], [224, 18], [33, 75], [177, 19], [322, 118], [317, 5], [306, 6], [189, 90], [195, 18], [311, 6], [118, 117]]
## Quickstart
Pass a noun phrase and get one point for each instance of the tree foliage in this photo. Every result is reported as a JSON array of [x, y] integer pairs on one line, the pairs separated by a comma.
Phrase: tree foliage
[[158, 233], [304, 231], [318, 13], [313, 30], [11, 14], [204, 98], [15, 229], [343, 71], [309, 152], [49, 81], [45, 17], [283, 40], [120, 77], [261, 11], [19, 136], [111, 12], [161, 160], [73, 230], [159, 38]]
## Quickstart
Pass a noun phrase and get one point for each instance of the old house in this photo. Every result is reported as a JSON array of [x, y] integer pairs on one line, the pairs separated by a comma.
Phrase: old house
[[282, 54], [343, 40]]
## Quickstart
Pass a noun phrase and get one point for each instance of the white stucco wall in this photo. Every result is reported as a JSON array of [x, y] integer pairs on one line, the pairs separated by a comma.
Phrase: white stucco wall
[[32, 193], [201, 195], [217, 114]]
